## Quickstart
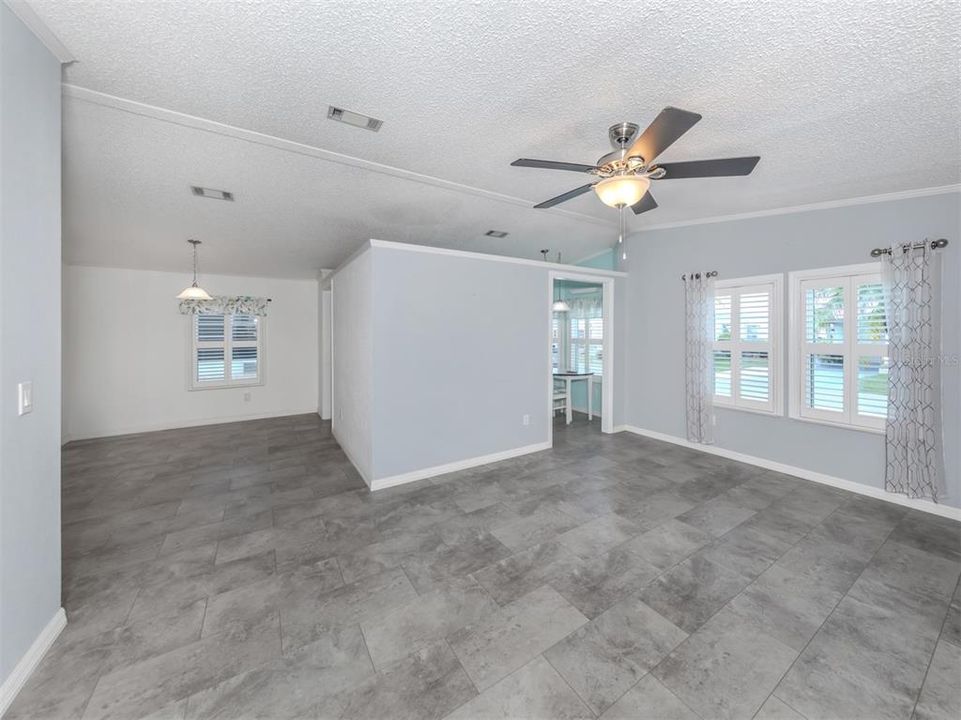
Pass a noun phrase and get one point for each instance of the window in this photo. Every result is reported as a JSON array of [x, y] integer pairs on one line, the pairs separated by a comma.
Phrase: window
[[839, 356], [226, 350], [587, 345], [747, 336]]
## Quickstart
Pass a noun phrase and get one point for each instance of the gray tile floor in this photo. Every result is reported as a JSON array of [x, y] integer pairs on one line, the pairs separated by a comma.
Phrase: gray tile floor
[[244, 571]]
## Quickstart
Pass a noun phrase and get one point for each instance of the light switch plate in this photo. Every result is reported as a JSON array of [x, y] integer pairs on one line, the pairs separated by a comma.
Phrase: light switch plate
[[25, 397]]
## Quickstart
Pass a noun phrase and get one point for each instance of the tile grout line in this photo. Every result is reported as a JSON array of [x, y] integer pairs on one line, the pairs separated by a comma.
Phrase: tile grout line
[[726, 604], [937, 642], [469, 678], [826, 618], [561, 675]]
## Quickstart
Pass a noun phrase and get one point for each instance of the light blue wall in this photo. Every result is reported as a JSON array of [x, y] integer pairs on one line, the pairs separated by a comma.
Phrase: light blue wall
[[29, 338], [460, 356], [778, 244], [605, 261]]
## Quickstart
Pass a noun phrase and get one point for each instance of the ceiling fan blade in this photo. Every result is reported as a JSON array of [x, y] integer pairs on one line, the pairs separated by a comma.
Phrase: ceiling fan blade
[[565, 197], [724, 167], [667, 127], [644, 204], [552, 165]]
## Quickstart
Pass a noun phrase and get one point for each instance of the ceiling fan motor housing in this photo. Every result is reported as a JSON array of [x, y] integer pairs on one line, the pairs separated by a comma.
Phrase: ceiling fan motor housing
[[622, 134]]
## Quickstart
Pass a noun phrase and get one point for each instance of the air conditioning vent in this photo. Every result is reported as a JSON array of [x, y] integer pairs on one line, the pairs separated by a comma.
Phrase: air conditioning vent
[[211, 193], [352, 118]]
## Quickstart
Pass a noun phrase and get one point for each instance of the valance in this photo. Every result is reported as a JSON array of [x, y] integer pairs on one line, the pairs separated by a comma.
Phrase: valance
[[587, 306], [226, 305]]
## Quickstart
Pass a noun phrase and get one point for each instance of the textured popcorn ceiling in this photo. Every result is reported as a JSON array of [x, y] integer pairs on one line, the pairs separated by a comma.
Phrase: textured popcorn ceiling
[[841, 99]]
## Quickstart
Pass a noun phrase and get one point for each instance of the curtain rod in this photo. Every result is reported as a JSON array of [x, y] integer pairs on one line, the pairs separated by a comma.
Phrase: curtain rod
[[697, 276], [935, 244]]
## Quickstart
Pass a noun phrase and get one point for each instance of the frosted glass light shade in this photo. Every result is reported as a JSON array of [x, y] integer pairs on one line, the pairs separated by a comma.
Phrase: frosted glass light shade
[[560, 306], [622, 190], [194, 292]]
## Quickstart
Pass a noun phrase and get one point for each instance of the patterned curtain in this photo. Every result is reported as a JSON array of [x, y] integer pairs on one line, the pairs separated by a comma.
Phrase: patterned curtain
[[699, 327], [913, 429], [224, 305]]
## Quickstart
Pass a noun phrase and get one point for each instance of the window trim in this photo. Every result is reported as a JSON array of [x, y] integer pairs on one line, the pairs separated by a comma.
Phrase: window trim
[[775, 345], [849, 349], [192, 345]]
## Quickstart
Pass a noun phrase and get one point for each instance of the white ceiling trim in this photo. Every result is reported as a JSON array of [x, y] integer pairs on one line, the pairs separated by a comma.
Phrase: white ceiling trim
[[826, 205], [198, 123], [566, 270], [410, 247], [38, 27]]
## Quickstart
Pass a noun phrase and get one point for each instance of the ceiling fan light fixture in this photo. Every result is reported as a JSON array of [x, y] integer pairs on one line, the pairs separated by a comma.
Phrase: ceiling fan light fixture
[[622, 190]]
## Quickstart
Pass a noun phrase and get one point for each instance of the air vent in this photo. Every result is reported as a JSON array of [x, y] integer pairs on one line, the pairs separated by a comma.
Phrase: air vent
[[211, 193], [496, 233], [352, 118]]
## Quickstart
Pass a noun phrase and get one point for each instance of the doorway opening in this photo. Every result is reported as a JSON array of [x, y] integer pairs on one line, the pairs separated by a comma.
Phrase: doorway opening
[[581, 351]]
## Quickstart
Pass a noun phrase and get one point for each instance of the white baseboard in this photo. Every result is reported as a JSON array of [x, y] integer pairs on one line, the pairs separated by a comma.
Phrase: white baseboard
[[414, 475], [360, 469], [855, 487], [178, 424], [28, 663]]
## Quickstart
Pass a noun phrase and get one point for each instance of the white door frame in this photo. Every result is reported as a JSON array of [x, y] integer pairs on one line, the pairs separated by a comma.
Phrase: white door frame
[[607, 382]]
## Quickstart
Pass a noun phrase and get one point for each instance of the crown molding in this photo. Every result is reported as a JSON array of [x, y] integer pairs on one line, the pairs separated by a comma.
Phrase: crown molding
[[826, 205], [82, 94], [28, 16]]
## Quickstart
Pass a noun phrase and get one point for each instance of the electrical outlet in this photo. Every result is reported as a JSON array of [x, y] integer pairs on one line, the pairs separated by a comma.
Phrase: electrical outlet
[[246, 397], [526, 420], [25, 397]]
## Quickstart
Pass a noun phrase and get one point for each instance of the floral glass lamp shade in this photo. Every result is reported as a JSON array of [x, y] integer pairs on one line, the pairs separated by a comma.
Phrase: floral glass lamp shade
[[194, 292]]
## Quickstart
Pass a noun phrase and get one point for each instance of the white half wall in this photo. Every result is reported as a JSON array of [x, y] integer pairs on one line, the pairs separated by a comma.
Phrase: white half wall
[[352, 360], [126, 352], [29, 348], [460, 368]]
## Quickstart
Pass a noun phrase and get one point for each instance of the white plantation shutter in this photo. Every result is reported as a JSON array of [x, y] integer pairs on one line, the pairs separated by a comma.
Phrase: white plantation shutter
[[842, 349], [586, 328], [226, 350], [746, 337]]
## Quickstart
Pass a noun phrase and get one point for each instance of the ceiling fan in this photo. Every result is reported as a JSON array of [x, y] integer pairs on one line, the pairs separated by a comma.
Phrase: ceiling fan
[[624, 176]]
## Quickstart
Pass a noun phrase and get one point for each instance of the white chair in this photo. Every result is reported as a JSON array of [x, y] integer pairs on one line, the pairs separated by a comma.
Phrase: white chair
[[560, 399]]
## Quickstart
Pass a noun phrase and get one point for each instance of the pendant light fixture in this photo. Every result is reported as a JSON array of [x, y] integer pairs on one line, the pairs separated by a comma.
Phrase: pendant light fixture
[[194, 292], [559, 305]]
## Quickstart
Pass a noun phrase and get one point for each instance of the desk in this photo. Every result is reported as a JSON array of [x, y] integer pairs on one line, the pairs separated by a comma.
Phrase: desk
[[569, 378]]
